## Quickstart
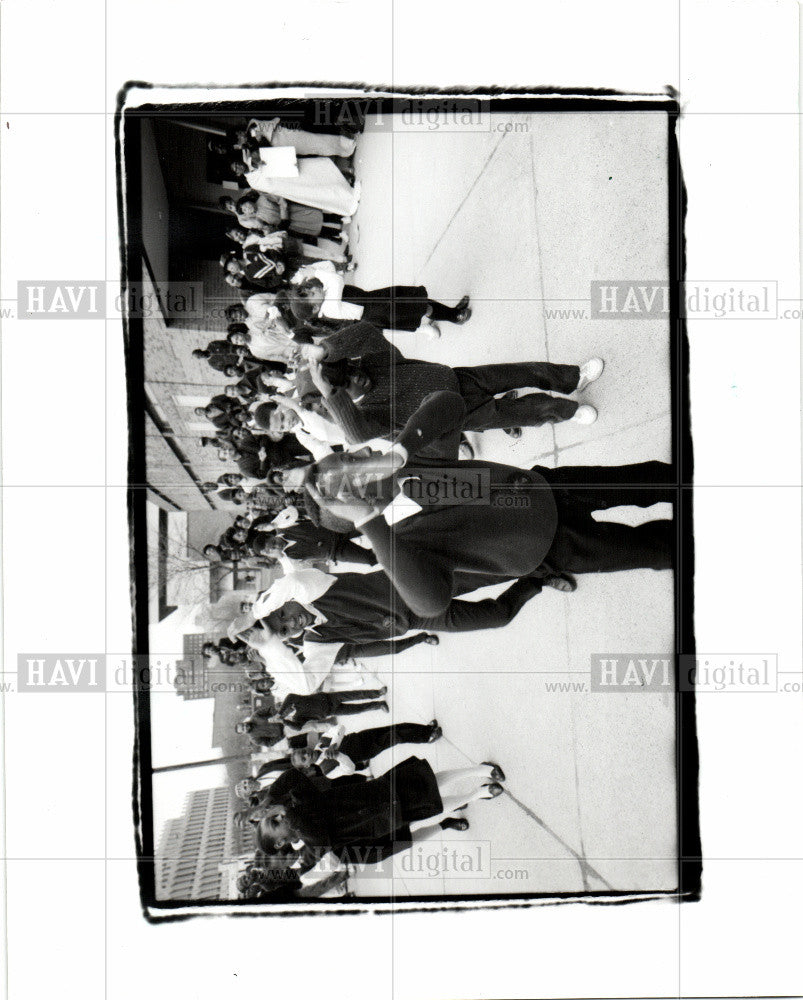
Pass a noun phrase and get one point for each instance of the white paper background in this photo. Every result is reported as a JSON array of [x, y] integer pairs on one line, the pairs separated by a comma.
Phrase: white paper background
[[74, 926]]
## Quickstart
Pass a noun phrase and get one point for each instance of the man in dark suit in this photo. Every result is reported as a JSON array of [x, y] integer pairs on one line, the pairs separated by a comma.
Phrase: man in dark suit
[[476, 523], [304, 540], [387, 388], [257, 454], [263, 732], [362, 612], [220, 355], [359, 747]]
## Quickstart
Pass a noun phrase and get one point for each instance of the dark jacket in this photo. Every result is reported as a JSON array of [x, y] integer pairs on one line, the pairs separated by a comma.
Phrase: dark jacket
[[347, 813]]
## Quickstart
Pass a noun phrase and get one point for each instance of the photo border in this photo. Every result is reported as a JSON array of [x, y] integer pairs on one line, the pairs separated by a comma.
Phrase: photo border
[[532, 100]]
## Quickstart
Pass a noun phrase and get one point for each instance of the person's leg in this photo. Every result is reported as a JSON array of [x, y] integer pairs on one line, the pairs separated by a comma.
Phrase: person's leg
[[371, 742], [438, 311], [347, 551], [494, 612], [477, 777], [583, 545], [357, 694], [495, 379], [398, 307], [425, 829], [599, 487], [637, 474], [356, 708], [532, 410]]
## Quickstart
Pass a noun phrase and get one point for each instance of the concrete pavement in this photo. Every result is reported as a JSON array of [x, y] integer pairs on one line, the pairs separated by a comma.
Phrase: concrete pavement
[[523, 220]]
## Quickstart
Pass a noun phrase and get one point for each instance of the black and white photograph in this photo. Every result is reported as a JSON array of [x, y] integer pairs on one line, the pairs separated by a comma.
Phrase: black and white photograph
[[411, 510], [401, 507]]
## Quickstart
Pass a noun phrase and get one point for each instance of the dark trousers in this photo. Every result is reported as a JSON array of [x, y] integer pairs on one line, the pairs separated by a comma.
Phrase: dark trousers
[[362, 747], [493, 612], [323, 704], [347, 551], [583, 545], [340, 549], [352, 702], [480, 384], [399, 307]]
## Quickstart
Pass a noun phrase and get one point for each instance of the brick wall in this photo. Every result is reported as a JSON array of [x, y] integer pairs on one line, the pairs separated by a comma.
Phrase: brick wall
[[171, 376]]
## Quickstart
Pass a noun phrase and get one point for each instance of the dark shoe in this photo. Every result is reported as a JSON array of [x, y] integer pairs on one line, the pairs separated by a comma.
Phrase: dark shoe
[[436, 733], [494, 791], [496, 771], [463, 317], [463, 303], [563, 582], [514, 432], [454, 823]]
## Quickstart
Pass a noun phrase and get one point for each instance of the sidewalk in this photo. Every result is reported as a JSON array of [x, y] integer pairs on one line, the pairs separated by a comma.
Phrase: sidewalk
[[516, 218]]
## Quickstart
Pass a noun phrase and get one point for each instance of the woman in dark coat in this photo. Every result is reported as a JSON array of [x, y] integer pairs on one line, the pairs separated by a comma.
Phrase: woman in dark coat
[[399, 307], [341, 816]]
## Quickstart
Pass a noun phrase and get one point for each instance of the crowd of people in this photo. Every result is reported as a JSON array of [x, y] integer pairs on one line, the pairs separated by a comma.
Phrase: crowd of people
[[356, 480]]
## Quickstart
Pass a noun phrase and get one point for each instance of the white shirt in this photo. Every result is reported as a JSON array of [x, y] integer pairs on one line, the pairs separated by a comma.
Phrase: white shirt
[[333, 283], [260, 305]]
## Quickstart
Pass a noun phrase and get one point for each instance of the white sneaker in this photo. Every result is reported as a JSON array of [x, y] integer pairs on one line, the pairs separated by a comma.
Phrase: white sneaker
[[589, 373], [584, 414]]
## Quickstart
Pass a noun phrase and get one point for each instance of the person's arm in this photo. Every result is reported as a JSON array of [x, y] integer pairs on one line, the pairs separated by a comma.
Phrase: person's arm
[[324, 885], [351, 419], [441, 414], [338, 765], [312, 726], [383, 647], [289, 704], [356, 341], [423, 584], [273, 765]]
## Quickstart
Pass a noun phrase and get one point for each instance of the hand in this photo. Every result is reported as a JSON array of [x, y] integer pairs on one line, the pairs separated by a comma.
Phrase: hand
[[319, 380], [352, 510], [430, 639], [312, 352]]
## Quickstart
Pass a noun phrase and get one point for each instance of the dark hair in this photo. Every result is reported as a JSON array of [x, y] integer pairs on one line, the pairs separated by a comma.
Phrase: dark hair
[[303, 310], [225, 200], [250, 198], [262, 414], [231, 311], [232, 130], [262, 541], [236, 328]]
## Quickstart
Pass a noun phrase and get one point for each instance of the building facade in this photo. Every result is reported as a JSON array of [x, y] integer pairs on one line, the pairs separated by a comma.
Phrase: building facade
[[194, 846]]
